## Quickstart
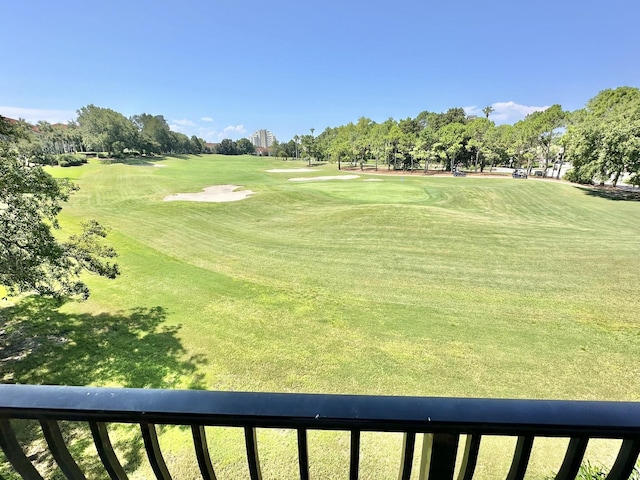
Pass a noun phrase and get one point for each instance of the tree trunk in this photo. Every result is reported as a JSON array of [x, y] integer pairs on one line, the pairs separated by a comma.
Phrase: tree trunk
[[615, 179]]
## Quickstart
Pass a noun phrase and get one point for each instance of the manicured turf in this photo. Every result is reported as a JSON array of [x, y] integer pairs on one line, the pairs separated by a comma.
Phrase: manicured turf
[[412, 285]]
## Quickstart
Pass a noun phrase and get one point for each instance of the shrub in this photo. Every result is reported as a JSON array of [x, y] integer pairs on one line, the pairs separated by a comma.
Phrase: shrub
[[71, 159], [577, 175]]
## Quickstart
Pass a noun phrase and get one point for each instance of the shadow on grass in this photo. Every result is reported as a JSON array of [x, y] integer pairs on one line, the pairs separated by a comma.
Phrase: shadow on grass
[[612, 193], [41, 345]]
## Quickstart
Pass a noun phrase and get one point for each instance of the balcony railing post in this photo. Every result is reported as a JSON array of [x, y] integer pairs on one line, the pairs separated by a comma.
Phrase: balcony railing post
[[572, 459], [105, 451], [14, 452], [202, 452], [521, 458], [253, 460], [406, 461], [354, 463], [59, 450], [154, 454], [303, 454], [626, 460], [470, 458], [439, 453]]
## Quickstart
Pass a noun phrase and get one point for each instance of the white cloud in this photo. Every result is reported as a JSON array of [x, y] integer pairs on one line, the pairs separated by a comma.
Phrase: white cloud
[[183, 126], [185, 123], [231, 131], [207, 131], [505, 112], [34, 115]]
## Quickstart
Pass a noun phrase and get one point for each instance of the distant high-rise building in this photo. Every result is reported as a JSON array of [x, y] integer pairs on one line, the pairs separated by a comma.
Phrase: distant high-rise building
[[262, 138]]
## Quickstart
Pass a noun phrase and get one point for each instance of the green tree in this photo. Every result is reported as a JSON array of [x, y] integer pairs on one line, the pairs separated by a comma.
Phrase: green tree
[[452, 140], [180, 143], [32, 259], [227, 147], [296, 139], [497, 143], [543, 128], [603, 140], [477, 130], [453, 115], [106, 130], [245, 147], [155, 134], [488, 110], [422, 149]]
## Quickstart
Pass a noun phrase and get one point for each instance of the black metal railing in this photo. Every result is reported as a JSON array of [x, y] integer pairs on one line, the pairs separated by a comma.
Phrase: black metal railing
[[443, 421]]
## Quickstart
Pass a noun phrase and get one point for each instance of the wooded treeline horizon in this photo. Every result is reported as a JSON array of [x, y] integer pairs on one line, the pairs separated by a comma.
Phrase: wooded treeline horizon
[[601, 141]]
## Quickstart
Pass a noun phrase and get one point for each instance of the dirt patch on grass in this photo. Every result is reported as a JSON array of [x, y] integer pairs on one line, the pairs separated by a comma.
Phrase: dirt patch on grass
[[216, 193]]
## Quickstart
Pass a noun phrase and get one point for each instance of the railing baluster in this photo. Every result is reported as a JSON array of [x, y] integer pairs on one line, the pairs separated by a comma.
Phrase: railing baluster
[[63, 458], [154, 454], [105, 451], [303, 454], [573, 458], [406, 461], [14, 452], [439, 453], [470, 458], [252, 453], [202, 452], [521, 458], [626, 460], [354, 463]]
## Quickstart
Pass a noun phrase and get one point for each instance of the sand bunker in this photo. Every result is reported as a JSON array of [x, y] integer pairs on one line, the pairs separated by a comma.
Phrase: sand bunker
[[317, 179], [217, 193], [290, 170]]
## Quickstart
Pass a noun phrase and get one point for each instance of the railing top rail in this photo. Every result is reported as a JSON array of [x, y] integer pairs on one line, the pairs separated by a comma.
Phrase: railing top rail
[[321, 411]]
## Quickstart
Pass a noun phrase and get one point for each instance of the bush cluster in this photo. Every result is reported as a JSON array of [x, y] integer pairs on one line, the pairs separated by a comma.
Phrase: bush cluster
[[70, 159]]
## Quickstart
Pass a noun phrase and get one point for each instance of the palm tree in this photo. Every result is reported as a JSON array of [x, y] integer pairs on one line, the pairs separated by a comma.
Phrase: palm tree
[[487, 110]]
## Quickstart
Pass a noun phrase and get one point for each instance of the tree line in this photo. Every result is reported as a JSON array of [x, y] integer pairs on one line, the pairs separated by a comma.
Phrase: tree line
[[601, 141], [106, 132], [110, 134]]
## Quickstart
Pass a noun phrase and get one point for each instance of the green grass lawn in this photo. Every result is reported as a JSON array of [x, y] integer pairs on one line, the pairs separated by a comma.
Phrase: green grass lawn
[[411, 285]]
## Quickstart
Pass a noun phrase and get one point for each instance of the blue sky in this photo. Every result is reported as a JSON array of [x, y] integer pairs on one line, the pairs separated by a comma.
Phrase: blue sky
[[224, 68]]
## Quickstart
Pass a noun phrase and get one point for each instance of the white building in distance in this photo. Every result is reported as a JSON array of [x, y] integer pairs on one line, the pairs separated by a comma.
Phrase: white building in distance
[[262, 138]]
